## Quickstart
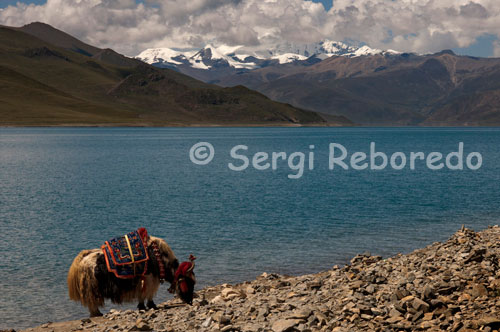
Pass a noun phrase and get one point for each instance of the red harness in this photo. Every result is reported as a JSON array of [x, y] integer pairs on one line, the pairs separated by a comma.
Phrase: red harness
[[185, 270], [159, 260]]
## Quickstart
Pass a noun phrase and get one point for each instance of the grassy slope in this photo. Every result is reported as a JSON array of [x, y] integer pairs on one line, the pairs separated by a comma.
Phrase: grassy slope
[[41, 84], [53, 89], [46, 105]]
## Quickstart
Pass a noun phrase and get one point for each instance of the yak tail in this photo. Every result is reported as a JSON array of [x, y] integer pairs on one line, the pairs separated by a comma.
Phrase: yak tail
[[81, 280], [74, 275]]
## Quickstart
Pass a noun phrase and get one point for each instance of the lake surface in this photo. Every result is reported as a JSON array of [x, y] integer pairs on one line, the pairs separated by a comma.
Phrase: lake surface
[[68, 189]]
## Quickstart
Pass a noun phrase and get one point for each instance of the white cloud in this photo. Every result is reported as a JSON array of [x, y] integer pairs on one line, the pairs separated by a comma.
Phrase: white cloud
[[406, 25], [415, 25], [496, 49]]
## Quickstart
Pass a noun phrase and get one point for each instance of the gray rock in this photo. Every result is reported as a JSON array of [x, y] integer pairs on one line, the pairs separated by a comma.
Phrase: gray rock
[[284, 325]]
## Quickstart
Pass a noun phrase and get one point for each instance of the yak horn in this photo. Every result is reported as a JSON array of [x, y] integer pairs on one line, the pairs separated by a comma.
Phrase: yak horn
[[191, 268]]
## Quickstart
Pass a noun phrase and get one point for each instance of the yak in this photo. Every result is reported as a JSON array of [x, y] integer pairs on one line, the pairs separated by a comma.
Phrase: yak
[[90, 281]]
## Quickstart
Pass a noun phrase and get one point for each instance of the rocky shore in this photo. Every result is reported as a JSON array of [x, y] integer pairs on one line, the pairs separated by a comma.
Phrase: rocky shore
[[450, 286]]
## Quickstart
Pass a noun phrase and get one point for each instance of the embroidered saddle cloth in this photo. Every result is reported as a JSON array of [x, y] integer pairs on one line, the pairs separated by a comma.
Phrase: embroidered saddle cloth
[[127, 255]]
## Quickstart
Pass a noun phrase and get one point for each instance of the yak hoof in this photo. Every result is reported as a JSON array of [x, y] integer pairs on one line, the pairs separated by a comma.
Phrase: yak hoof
[[141, 306], [96, 314], [152, 305]]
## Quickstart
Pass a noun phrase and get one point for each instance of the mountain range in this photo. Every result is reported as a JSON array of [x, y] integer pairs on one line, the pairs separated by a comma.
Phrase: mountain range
[[212, 63], [51, 78], [368, 86], [440, 89]]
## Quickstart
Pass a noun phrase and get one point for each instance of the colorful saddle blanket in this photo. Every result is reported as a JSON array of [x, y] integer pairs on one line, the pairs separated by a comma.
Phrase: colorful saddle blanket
[[127, 255]]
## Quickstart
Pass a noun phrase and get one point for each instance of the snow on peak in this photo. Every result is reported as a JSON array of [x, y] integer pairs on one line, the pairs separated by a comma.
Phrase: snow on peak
[[227, 50], [223, 54], [288, 57], [336, 48], [365, 50], [214, 52], [155, 55], [389, 51], [241, 57]]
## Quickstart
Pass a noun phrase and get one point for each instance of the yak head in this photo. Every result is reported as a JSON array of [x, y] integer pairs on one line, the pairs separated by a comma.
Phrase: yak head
[[181, 277], [184, 281]]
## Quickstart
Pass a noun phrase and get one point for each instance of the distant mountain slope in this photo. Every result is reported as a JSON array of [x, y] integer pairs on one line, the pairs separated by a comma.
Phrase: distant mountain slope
[[387, 89], [56, 83], [61, 39], [58, 38]]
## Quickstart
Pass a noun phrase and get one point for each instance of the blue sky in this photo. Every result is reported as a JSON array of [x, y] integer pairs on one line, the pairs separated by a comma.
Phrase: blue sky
[[4, 3], [486, 43], [326, 3]]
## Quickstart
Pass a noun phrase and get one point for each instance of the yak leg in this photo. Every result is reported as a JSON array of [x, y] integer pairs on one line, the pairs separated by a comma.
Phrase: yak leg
[[141, 305], [94, 312], [151, 304], [152, 284]]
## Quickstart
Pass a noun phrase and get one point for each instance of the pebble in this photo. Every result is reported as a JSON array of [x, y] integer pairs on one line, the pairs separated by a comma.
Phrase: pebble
[[284, 325]]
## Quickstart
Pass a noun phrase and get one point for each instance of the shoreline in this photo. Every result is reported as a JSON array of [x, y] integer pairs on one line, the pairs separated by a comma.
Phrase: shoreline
[[241, 125], [451, 286], [285, 125]]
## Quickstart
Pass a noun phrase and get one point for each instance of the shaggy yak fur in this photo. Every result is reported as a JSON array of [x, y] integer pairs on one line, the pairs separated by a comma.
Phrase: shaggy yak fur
[[89, 281]]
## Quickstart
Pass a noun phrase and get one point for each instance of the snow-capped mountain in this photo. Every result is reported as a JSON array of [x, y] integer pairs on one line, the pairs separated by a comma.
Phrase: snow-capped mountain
[[225, 60], [209, 57], [327, 48]]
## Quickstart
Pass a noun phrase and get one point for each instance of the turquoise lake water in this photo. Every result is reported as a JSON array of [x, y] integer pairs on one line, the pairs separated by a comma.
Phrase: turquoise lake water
[[68, 189]]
